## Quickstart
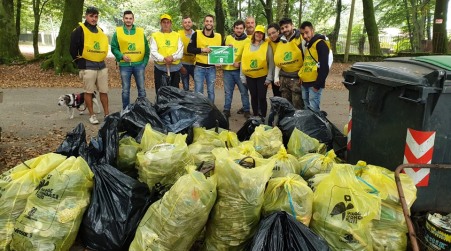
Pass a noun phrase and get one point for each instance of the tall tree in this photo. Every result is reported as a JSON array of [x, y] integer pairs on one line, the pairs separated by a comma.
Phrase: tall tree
[[220, 17], [18, 14], [9, 40], [333, 36], [38, 7], [369, 20], [61, 59], [282, 9], [439, 39], [267, 6], [233, 9]]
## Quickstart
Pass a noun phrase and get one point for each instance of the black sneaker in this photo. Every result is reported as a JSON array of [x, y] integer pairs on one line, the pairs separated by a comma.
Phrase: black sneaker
[[240, 111], [226, 113]]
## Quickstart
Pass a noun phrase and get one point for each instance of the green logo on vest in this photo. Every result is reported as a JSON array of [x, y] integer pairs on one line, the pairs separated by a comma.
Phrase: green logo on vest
[[253, 63], [287, 56], [235, 49], [96, 45], [168, 42], [131, 46]]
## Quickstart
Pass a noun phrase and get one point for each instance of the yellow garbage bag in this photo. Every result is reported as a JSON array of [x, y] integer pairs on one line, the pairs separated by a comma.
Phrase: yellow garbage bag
[[343, 210], [126, 156], [314, 181], [236, 213], [204, 141], [52, 216], [300, 144], [245, 148], [314, 163], [16, 185], [388, 235], [267, 140], [285, 163], [164, 163], [175, 221], [230, 138], [151, 138], [290, 194]]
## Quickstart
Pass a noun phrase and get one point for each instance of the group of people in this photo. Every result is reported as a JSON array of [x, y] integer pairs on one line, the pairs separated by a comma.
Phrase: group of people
[[294, 61]]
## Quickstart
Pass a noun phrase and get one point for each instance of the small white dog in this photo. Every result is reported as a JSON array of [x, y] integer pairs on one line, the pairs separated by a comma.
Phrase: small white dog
[[77, 101]]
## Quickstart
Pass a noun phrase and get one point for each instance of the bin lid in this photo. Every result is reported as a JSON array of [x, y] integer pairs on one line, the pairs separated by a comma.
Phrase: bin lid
[[441, 61]]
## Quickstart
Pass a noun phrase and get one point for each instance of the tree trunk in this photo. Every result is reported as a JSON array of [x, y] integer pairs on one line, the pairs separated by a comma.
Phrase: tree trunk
[[267, 6], [220, 17], [9, 41], [18, 14], [61, 59], [371, 27], [37, 20], [439, 38], [300, 13], [282, 9], [336, 31]]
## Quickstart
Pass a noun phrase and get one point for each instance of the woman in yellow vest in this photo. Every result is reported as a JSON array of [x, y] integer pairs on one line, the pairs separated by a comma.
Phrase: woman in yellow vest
[[257, 66]]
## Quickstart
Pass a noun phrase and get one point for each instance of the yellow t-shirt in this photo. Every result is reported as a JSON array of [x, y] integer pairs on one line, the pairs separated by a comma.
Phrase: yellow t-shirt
[[167, 44], [254, 63], [288, 56], [187, 57]]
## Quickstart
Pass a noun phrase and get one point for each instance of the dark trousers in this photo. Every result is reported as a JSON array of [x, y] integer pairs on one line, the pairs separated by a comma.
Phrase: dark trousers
[[161, 81], [257, 89], [275, 90]]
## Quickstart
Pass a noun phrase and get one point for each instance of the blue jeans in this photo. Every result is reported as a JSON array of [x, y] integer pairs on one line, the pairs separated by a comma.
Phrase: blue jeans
[[185, 78], [311, 98], [230, 79], [126, 75], [209, 75]]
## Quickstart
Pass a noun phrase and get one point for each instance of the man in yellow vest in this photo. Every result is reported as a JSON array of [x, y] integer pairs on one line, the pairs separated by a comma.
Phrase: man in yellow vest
[[166, 49], [131, 49], [188, 59], [288, 60], [199, 45], [89, 48], [231, 73], [315, 69]]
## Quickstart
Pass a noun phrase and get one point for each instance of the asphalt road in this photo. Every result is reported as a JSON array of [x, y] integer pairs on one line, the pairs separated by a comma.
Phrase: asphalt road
[[34, 111]]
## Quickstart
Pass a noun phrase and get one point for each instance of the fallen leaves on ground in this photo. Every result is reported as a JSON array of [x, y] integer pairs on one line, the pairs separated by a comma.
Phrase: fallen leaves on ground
[[15, 148]]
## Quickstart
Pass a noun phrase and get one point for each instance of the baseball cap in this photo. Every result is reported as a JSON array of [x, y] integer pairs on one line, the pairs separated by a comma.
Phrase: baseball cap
[[260, 28], [165, 16], [92, 10]]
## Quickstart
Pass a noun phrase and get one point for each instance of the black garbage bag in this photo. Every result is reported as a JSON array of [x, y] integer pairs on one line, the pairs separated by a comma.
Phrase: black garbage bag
[[309, 122], [192, 104], [137, 115], [281, 231], [75, 142], [280, 108], [104, 147], [178, 118], [118, 203], [248, 128]]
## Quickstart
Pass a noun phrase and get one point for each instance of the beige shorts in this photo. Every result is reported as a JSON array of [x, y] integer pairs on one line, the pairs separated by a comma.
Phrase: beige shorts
[[95, 80]]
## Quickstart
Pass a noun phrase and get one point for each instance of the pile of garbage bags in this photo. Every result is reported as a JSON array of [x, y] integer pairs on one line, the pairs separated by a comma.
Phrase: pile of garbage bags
[[171, 177]]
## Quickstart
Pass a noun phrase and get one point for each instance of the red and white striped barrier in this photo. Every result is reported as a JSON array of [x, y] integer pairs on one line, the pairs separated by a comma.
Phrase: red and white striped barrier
[[348, 146], [419, 150]]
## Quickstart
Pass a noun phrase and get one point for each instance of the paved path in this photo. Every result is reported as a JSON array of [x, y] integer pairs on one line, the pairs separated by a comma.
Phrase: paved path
[[34, 111]]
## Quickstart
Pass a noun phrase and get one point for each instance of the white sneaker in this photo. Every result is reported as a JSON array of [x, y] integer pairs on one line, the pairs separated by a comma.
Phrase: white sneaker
[[93, 119]]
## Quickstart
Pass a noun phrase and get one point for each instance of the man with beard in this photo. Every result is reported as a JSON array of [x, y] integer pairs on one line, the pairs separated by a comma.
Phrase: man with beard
[[232, 72], [131, 49], [315, 68], [250, 25], [188, 59], [199, 45], [288, 59]]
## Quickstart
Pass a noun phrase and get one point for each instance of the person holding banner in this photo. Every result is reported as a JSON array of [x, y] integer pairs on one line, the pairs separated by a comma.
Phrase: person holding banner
[[257, 67], [199, 45]]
